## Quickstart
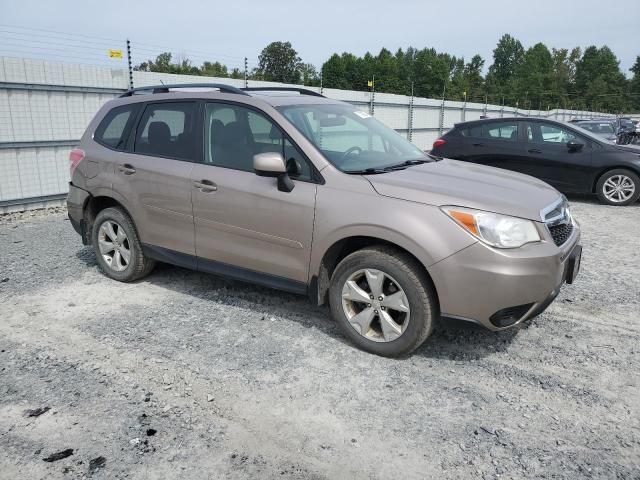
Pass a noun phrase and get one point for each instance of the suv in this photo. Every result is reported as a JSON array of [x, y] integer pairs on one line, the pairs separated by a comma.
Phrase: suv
[[298, 192]]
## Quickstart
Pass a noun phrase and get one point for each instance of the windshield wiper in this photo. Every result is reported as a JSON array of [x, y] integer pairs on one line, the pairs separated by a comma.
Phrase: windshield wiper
[[405, 164], [366, 171]]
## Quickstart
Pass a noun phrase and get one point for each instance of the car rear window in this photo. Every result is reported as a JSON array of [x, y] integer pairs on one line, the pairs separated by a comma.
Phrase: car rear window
[[114, 128]]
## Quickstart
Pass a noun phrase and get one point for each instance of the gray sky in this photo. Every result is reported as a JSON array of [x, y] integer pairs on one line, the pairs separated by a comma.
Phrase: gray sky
[[228, 31]]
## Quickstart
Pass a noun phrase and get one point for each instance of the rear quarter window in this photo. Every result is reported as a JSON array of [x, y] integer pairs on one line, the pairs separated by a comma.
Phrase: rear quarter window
[[114, 128]]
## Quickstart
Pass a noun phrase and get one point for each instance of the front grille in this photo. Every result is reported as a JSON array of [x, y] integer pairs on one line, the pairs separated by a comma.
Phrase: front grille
[[561, 232]]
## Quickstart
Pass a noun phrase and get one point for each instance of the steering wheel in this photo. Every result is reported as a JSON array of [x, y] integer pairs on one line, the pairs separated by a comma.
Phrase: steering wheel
[[349, 152]]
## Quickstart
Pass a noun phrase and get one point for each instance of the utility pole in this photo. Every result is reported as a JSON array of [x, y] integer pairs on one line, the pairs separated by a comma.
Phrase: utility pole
[[129, 63], [246, 73], [321, 80]]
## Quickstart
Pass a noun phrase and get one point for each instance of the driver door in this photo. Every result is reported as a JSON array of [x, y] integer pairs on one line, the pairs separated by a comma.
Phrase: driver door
[[552, 161], [244, 226]]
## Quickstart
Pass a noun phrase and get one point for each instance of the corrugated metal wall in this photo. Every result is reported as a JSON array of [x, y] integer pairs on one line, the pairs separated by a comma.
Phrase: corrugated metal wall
[[45, 107]]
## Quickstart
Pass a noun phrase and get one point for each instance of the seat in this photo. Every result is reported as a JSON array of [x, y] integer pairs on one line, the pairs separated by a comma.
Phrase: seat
[[234, 151], [159, 139]]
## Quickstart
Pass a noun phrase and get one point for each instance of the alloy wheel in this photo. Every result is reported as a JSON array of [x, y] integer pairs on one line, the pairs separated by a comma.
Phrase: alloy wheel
[[114, 245], [375, 305], [618, 188]]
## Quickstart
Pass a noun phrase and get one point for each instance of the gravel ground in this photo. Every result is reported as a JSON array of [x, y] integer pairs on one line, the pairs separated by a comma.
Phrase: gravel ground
[[185, 375]]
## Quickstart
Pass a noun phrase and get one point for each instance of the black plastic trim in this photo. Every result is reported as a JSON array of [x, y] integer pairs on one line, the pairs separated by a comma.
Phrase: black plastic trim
[[224, 269], [165, 88], [301, 91]]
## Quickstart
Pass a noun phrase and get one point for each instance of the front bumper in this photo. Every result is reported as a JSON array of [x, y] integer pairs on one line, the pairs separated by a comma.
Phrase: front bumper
[[481, 283]]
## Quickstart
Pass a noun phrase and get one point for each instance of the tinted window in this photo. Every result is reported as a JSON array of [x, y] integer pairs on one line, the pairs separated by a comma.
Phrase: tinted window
[[493, 130], [167, 130], [234, 134], [548, 133], [114, 128]]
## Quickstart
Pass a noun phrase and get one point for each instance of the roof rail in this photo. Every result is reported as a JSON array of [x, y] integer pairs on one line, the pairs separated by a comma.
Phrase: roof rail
[[165, 88], [301, 91]]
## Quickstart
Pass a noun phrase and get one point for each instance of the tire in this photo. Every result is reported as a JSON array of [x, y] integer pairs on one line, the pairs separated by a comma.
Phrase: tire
[[127, 239], [613, 177], [399, 270]]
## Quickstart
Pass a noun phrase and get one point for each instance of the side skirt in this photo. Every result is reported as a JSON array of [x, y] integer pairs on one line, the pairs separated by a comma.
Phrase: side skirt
[[223, 269]]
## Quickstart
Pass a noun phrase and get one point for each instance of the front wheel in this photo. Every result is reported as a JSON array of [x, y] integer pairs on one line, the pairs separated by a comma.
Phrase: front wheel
[[618, 187], [382, 301]]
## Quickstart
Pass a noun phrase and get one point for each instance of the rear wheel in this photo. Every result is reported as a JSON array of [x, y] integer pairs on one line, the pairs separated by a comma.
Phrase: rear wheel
[[382, 301], [117, 246], [618, 187]]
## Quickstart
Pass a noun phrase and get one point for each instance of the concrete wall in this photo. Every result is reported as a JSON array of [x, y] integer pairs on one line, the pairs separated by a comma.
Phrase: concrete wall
[[45, 107]]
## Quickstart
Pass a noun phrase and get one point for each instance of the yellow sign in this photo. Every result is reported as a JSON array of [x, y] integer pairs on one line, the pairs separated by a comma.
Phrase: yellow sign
[[369, 83], [115, 53]]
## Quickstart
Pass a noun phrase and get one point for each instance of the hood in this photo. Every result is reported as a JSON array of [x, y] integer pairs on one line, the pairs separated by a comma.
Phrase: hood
[[450, 182], [628, 148]]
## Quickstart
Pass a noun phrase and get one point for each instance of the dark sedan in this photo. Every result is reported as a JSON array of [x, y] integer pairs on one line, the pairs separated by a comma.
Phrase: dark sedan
[[566, 156]]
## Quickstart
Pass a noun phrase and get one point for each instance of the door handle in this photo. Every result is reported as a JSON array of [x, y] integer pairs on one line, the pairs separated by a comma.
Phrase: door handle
[[126, 169], [205, 186], [534, 150], [478, 144]]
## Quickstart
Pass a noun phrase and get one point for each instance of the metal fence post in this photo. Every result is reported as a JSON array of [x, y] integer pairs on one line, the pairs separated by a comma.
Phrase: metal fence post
[[372, 96], [129, 63], [246, 73], [441, 123], [410, 132]]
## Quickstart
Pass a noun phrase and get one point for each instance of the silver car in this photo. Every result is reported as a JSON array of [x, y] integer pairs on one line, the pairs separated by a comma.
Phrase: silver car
[[294, 191]]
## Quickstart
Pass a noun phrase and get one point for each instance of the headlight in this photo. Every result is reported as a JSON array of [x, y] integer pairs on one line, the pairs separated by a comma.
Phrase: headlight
[[501, 231]]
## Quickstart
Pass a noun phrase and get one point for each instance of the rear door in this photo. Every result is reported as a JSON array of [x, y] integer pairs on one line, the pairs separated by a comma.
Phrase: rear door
[[494, 143], [155, 175], [245, 227], [551, 159]]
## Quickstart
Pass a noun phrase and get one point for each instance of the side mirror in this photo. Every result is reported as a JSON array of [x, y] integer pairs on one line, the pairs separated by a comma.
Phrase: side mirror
[[271, 164], [294, 168], [574, 146]]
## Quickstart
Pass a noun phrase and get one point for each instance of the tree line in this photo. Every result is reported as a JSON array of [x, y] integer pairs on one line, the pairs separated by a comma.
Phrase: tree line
[[532, 78]]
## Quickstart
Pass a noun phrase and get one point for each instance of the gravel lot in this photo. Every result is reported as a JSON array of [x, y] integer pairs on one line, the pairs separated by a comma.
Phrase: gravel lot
[[188, 375]]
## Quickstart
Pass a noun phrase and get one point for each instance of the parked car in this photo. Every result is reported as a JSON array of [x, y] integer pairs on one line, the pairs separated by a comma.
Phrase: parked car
[[605, 129], [571, 159], [301, 193]]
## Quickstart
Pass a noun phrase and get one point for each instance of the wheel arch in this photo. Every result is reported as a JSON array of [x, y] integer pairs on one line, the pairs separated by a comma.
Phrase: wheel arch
[[93, 206], [604, 171], [319, 289]]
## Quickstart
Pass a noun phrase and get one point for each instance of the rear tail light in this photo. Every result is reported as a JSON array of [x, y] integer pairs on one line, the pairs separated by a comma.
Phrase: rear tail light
[[438, 143], [75, 157]]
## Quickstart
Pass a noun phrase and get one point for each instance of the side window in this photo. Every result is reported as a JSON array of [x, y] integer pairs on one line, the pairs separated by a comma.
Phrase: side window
[[506, 130], [234, 134], [167, 130], [548, 133], [114, 128]]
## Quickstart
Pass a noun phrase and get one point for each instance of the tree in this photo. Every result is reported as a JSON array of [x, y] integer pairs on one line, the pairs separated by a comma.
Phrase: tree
[[215, 69], [309, 75], [599, 83], [507, 59], [534, 76], [279, 62]]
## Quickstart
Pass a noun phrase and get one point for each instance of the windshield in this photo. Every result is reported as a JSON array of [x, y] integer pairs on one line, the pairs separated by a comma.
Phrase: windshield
[[587, 133], [350, 139]]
